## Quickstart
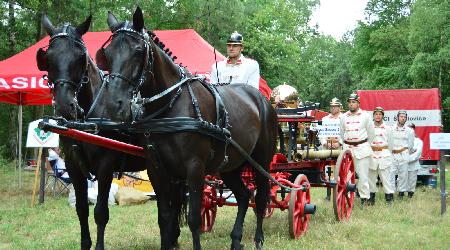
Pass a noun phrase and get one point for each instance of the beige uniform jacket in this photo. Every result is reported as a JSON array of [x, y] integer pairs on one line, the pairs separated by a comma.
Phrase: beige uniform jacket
[[355, 128], [403, 137], [382, 141]]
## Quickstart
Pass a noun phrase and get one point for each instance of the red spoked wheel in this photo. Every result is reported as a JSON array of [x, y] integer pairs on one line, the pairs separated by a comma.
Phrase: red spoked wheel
[[209, 208], [300, 209], [344, 191]]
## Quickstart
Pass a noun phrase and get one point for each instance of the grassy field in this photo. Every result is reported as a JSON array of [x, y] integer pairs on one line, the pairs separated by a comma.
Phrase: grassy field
[[408, 224]]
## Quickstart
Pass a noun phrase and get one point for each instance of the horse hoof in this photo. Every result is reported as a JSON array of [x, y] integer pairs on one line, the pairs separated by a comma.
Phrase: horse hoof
[[99, 247], [258, 245], [175, 246], [237, 247]]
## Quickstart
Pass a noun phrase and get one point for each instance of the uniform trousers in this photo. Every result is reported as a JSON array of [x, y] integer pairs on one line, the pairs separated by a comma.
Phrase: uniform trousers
[[412, 181], [362, 169], [384, 177], [400, 168]]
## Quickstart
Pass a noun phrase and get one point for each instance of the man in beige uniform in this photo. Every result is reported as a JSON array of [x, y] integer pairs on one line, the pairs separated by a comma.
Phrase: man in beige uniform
[[357, 132], [402, 147], [381, 158], [332, 142]]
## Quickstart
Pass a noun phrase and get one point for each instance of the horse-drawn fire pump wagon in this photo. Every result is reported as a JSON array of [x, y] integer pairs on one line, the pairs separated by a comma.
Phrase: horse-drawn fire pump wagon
[[299, 165]]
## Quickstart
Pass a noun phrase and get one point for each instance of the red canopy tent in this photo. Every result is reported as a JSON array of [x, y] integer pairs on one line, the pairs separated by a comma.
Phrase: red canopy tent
[[21, 81]]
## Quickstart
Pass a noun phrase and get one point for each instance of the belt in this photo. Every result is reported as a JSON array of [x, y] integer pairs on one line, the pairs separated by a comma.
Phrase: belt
[[332, 140], [378, 148], [355, 143], [398, 151]]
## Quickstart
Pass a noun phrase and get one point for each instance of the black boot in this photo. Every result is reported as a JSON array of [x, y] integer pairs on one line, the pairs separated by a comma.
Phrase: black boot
[[410, 194], [371, 200], [389, 198], [364, 202], [401, 195]]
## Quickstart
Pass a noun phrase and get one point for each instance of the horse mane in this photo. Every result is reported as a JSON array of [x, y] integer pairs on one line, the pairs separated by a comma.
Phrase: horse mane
[[162, 46]]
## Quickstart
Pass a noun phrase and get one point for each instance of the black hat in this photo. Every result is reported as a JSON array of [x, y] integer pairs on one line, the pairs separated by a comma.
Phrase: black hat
[[353, 96], [235, 38]]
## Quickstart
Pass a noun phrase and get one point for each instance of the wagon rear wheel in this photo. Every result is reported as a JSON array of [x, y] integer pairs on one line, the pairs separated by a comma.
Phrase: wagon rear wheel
[[209, 208], [300, 209], [344, 191]]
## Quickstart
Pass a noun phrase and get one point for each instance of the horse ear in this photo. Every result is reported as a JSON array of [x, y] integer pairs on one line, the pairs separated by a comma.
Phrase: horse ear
[[47, 25], [138, 20], [84, 27], [112, 21], [100, 59], [41, 59]]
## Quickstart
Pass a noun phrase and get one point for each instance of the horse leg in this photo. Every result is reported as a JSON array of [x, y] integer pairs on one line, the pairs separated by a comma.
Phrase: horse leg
[[101, 211], [80, 185], [234, 182], [261, 200], [177, 203], [196, 181], [161, 186]]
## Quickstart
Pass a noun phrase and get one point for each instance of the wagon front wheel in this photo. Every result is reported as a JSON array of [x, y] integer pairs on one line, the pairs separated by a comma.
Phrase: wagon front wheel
[[344, 190], [300, 209]]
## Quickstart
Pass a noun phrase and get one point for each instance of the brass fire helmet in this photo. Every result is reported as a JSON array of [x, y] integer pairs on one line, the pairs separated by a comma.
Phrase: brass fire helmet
[[284, 93]]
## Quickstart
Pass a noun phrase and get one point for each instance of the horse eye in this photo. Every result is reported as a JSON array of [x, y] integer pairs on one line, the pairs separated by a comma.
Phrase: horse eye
[[139, 51]]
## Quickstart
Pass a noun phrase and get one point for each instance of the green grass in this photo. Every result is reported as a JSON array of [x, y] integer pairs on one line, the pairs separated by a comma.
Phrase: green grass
[[409, 224]]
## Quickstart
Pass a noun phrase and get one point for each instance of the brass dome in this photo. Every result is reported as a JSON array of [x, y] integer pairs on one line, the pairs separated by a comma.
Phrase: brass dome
[[284, 92]]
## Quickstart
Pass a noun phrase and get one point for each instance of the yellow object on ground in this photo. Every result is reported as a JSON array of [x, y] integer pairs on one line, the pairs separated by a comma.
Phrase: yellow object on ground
[[143, 184]]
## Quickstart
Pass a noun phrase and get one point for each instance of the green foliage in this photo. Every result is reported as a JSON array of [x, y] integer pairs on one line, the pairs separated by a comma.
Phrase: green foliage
[[400, 44]]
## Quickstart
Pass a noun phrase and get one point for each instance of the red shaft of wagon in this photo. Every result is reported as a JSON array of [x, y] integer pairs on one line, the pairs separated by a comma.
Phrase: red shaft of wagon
[[99, 141]]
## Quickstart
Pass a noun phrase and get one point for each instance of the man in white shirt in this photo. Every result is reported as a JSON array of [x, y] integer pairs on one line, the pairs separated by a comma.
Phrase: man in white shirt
[[413, 163], [60, 165], [357, 133], [402, 147], [236, 68], [333, 142], [381, 158]]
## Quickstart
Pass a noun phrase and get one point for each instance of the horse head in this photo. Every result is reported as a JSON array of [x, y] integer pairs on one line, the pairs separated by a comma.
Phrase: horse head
[[66, 60], [134, 63]]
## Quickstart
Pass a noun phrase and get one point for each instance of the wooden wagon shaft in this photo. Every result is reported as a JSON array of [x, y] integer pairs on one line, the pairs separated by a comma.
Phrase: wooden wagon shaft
[[94, 139]]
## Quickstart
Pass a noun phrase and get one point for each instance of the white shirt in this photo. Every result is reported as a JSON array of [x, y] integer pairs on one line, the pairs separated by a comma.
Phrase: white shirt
[[413, 163], [244, 71], [60, 165], [356, 127]]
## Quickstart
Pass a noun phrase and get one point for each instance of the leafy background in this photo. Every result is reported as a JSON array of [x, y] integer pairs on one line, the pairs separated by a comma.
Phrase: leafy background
[[399, 44]]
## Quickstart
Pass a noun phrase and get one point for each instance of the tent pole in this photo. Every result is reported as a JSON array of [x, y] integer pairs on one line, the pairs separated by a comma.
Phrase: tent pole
[[20, 140]]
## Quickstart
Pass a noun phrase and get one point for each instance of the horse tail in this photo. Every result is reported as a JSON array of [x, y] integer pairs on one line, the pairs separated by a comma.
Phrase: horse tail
[[183, 216], [180, 202]]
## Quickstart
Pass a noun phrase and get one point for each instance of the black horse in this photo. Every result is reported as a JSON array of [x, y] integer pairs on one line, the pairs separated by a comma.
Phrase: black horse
[[75, 81], [174, 103]]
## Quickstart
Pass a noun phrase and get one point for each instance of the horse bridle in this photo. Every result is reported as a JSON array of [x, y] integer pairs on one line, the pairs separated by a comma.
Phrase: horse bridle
[[61, 81], [139, 36]]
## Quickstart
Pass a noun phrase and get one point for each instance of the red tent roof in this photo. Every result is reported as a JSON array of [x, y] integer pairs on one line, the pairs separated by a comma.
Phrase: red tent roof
[[21, 81]]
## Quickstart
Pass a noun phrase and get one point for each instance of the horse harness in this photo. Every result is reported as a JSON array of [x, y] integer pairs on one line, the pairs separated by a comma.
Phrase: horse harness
[[76, 86]]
